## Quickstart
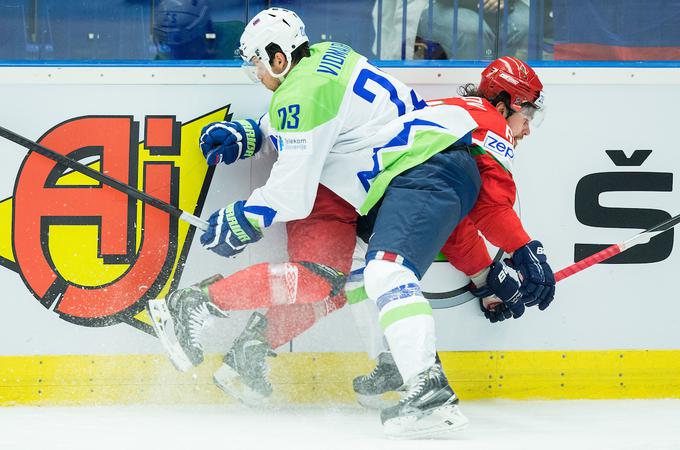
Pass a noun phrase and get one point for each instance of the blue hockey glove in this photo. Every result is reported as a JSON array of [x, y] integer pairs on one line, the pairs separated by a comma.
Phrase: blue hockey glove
[[497, 314], [229, 231], [228, 141], [536, 276], [500, 283]]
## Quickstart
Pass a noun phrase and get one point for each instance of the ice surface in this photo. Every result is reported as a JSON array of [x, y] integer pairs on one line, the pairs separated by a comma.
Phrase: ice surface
[[602, 425]]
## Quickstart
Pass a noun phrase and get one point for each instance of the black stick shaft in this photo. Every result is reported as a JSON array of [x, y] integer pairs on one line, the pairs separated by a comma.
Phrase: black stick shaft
[[103, 178], [615, 249]]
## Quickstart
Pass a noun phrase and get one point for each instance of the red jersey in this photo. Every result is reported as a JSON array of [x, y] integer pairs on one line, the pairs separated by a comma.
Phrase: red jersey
[[493, 214]]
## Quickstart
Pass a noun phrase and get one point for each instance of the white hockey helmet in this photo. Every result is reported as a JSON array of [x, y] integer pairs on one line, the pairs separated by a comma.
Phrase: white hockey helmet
[[272, 26]]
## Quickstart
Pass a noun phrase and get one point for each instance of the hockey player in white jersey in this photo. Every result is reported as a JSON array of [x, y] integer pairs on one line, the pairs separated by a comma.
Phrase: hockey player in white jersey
[[337, 121]]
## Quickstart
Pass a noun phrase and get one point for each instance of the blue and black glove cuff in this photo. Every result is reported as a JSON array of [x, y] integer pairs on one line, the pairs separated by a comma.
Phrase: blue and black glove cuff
[[480, 292]]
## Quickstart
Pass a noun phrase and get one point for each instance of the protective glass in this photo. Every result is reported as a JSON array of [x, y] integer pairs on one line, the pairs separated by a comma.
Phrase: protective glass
[[535, 111], [255, 69]]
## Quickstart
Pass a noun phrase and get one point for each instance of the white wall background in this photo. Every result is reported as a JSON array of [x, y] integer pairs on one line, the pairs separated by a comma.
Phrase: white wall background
[[589, 111]]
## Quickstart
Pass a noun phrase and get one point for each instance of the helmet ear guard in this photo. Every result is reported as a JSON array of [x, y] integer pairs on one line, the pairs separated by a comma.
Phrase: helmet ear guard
[[272, 26]]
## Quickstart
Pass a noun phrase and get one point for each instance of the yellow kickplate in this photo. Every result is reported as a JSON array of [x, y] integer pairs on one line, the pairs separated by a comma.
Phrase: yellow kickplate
[[327, 377]]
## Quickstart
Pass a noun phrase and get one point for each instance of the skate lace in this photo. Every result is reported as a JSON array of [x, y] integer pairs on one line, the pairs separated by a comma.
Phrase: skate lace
[[257, 368], [264, 369], [417, 388], [375, 373], [197, 318], [262, 366]]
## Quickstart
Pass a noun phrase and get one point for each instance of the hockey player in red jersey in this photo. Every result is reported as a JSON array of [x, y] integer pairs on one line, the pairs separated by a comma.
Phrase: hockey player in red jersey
[[309, 287], [500, 107], [503, 105]]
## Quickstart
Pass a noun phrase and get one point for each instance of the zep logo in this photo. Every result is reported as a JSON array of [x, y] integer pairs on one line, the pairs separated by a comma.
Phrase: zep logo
[[88, 252], [498, 145]]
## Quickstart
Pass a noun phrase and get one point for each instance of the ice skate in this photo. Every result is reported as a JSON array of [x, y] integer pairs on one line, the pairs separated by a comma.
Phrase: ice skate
[[429, 409], [243, 373], [374, 390], [178, 321]]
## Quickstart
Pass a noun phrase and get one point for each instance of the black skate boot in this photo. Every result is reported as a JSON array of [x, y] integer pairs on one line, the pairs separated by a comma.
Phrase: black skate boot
[[243, 373], [429, 409], [384, 378], [178, 321]]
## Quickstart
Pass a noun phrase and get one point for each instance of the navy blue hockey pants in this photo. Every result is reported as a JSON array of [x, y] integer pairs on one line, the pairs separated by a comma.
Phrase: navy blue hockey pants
[[421, 208]]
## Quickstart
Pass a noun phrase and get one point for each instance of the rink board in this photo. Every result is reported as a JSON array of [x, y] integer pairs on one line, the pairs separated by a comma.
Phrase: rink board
[[326, 377], [600, 168]]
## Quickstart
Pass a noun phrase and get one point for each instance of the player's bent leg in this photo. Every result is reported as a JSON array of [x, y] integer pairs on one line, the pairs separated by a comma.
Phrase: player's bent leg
[[243, 373], [325, 239], [418, 212], [403, 313], [377, 389], [267, 285], [278, 327], [299, 293], [178, 321], [284, 321], [430, 406]]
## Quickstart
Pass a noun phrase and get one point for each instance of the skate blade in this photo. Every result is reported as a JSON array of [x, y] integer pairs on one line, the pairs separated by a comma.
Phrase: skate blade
[[229, 381], [378, 402], [440, 423], [165, 331]]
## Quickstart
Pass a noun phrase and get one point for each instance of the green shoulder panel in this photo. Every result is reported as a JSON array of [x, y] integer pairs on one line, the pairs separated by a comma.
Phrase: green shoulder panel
[[425, 144], [312, 93]]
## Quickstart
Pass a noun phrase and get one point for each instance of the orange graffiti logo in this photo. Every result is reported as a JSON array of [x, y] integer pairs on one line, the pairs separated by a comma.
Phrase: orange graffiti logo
[[88, 252]]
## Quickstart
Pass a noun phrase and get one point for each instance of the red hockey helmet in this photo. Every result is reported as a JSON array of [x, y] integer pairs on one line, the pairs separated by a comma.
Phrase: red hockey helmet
[[512, 75]]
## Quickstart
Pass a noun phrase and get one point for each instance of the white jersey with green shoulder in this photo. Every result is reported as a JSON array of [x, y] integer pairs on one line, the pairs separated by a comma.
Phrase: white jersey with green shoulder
[[340, 121]]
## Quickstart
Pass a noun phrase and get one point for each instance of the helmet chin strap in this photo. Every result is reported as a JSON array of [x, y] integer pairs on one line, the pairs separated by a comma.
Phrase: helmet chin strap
[[283, 74]]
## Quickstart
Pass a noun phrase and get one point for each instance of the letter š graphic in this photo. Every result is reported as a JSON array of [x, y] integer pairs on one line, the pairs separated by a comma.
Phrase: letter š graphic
[[590, 212], [90, 253]]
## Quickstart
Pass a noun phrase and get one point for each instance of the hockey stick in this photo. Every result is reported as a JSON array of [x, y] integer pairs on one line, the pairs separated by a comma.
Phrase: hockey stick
[[105, 179], [640, 238]]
